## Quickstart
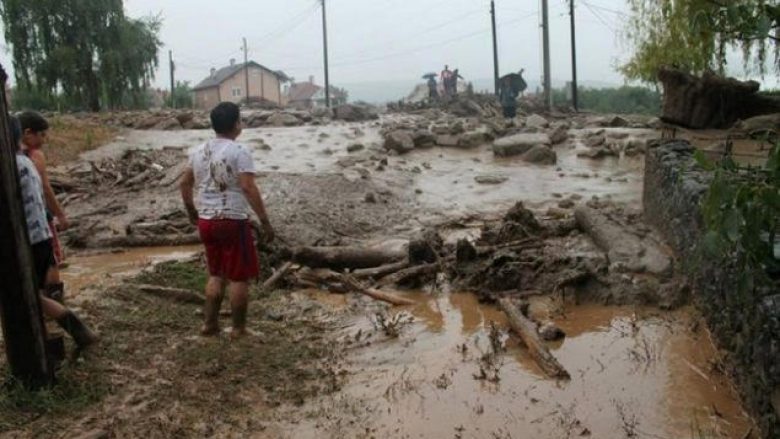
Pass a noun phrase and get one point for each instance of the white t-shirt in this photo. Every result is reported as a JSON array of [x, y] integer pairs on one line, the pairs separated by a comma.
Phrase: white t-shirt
[[217, 165]]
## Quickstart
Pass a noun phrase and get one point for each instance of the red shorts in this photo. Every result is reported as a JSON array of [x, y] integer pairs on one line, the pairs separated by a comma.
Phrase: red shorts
[[230, 250]]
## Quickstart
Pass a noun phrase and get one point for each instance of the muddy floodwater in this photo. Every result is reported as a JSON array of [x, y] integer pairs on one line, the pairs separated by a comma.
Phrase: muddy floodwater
[[635, 373]]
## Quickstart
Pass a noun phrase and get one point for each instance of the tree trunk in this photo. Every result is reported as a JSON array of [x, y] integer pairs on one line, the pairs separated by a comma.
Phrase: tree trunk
[[339, 258], [711, 101], [526, 330]]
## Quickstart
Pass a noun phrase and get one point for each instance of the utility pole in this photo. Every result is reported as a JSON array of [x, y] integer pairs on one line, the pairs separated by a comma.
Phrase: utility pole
[[23, 329], [173, 84], [246, 70], [573, 59], [546, 49], [495, 45], [325, 51]]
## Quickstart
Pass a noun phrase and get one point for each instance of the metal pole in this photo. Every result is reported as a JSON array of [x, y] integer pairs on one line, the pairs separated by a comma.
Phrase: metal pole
[[246, 70], [173, 84], [23, 329], [546, 49], [574, 100], [495, 45], [325, 50]]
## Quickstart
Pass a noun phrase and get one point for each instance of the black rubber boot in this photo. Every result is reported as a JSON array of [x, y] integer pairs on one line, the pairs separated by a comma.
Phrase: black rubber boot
[[211, 316], [81, 334], [56, 292]]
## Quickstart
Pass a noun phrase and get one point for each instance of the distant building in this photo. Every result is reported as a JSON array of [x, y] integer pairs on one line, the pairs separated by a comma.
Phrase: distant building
[[229, 84], [307, 95]]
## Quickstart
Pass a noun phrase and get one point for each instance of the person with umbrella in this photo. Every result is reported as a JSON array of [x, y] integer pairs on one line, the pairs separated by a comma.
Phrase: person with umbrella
[[433, 87]]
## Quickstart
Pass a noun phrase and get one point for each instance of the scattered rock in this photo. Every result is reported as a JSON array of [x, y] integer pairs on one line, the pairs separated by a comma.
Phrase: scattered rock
[[536, 121], [400, 141], [559, 135], [597, 153], [617, 122], [595, 140], [519, 144], [354, 113], [490, 179], [370, 198], [549, 331], [540, 154], [283, 120], [355, 147], [566, 204], [447, 140]]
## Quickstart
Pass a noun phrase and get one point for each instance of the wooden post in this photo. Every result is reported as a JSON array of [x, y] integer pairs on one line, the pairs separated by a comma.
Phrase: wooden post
[[23, 329]]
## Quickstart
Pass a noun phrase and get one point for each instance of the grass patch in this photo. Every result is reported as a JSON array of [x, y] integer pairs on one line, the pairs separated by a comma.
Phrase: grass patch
[[175, 275], [68, 137]]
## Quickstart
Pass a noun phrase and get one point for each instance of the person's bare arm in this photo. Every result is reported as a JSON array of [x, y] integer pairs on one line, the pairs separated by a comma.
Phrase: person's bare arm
[[186, 187], [39, 159], [255, 199]]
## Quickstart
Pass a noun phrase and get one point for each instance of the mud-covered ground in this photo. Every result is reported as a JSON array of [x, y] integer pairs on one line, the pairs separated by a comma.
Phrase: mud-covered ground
[[333, 365]]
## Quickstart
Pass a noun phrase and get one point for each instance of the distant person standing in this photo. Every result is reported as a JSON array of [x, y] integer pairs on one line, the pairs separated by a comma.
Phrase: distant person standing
[[223, 174], [453, 83], [508, 97], [446, 76], [433, 88]]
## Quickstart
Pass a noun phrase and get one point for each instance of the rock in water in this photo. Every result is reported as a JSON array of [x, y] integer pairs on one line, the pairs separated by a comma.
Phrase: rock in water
[[536, 121], [400, 141], [540, 154], [354, 113], [283, 120], [518, 144], [549, 331], [490, 179], [559, 135]]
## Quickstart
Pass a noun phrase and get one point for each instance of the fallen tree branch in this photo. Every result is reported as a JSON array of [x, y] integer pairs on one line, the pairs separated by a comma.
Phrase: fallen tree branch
[[355, 285], [382, 270], [407, 273], [271, 281], [526, 330], [174, 294]]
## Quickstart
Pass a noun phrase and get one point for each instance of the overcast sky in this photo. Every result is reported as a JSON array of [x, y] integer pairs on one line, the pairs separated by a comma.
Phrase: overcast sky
[[384, 39]]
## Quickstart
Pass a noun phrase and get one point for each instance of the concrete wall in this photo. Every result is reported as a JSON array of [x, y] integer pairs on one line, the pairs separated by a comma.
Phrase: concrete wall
[[748, 328]]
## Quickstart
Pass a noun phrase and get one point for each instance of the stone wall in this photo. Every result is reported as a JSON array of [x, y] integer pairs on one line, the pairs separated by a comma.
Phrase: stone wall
[[747, 328]]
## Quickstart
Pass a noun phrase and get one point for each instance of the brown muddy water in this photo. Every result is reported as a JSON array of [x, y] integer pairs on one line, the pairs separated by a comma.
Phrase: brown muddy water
[[635, 373]]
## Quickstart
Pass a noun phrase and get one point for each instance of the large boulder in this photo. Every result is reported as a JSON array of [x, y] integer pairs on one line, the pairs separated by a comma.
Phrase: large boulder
[[198, 123], [354, 113], [400, 141], [519, 143], [423, 138], [447, 140], [185, 117], [149, 122], [536, 121], [472, 139], [541, 155], [283, 120], [559, 135]]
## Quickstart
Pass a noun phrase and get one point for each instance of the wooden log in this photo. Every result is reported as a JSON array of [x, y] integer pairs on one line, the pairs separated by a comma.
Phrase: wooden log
[[339, 258], [408, 273], [392, 299], [174, 294], [276, 276], [382, 270], [526, 330]]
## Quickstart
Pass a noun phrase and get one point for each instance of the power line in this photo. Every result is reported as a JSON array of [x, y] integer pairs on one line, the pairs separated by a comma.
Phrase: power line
[[598, 16]]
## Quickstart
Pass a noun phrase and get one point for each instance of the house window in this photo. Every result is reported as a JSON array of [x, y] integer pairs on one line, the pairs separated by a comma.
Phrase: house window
[[237, 92]]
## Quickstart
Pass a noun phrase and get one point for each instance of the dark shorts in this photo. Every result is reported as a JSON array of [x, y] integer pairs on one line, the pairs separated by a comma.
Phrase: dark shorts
[[230, 250], [43, 260]]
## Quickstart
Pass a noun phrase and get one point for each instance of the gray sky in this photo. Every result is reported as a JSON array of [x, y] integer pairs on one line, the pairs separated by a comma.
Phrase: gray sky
[[384, 39]]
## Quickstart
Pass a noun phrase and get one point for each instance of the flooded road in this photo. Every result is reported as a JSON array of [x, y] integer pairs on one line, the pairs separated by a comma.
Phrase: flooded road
[[635, 373]]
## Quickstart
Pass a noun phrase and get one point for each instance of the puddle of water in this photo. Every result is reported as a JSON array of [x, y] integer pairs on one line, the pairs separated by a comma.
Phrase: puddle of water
[[632, 373], [86, 272]]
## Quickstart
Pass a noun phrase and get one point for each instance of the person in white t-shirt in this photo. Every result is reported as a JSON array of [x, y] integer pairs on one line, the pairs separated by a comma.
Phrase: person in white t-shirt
[[223, 174]]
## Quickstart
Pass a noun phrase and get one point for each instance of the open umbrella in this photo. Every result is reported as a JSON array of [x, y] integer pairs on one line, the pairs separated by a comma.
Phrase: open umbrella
[[430, 76]]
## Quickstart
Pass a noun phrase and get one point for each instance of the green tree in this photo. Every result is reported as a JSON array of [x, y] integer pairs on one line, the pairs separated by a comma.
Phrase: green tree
[[86, 50], [622, 100], [696, 35], [181, 96]]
